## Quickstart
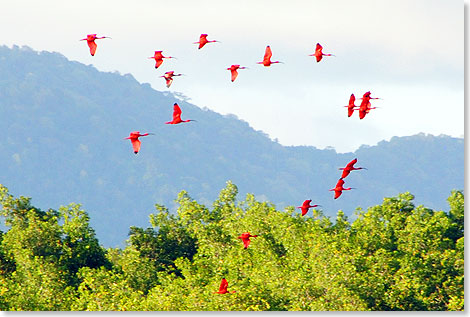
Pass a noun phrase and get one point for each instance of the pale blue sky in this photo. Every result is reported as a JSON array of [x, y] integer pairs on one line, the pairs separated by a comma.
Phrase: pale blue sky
[[409, 52]]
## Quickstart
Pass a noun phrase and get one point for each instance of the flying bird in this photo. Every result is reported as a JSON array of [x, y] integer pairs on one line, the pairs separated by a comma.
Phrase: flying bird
[[233, 70], [305, 206], [177, 115], [158, 57], [169, 77], [246, 238], [318, 53], [350, 167], [267, 57], [90, 39], [134, 137], [223, 287], [203, 41], [351, 106], [366, 106], [339, 188]]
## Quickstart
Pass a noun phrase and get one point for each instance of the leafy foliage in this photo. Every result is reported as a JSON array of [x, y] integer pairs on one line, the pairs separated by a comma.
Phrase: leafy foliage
[[393, 256]]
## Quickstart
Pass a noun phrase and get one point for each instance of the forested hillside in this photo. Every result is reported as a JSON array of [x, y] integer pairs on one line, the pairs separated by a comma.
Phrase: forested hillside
[[63, 124], [393, 256]]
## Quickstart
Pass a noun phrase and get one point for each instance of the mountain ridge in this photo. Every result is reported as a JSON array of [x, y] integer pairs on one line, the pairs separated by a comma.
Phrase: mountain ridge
[[64, 143]]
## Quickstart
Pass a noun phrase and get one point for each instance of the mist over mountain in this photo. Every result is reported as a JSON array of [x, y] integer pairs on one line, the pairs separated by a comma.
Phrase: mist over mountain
[[63, 126]]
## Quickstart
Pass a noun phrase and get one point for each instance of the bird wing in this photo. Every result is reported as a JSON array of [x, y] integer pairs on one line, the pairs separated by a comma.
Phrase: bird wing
[[92, 45], [246, 242], [352, 99], [351, 164], [223, 286], [234, 74], [158, 62], [169, 80], [304, 210], [176, 111], [135, 145], [338, 193], [318, 47], [268, 54]]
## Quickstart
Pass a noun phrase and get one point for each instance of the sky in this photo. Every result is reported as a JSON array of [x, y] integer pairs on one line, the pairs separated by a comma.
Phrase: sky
[[408, 52]]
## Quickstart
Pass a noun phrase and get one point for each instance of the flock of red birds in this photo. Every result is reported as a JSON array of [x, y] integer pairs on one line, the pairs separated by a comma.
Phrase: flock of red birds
[[134, 136]]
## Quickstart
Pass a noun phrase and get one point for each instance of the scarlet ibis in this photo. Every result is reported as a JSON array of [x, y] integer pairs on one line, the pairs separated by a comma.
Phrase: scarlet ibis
[[223, 287], [365, 106], [246, 238], [351, 106], [233, 70], [177, 115], [134, 137], [305, 206], [158, 57], [90, 39], [350, 167], [267, 57], [203, 41], [339, 188], [169, 77], [318, 53]]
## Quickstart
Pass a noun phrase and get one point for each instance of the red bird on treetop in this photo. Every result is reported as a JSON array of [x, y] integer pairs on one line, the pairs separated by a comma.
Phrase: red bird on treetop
[[339, 188], [233, 70], [351, 106], [169, 77], [134, 137], [158, 57], [90, 39], [350, 167], [177, 115], [267, 57], [318, 53], [305, 206], [246, 238], [223, 287], [203, 41]]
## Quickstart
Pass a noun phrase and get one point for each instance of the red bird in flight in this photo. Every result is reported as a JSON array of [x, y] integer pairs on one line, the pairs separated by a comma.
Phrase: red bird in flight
[[177, 115], [365, 106], [318, 53], [134, 137], [223, 287], [246, 238], [350, 167], [339, 188], [351, 106], [90, 39], [233, 70], [267, 57], [305, 206], [158, 57], [169, 77], [203, 41]]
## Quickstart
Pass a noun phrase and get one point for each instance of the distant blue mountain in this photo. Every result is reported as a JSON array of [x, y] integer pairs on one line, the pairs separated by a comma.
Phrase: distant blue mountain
[[63, 123]]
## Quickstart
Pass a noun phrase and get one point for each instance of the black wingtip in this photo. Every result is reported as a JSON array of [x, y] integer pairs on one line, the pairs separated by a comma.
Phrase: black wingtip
[[135, 152]]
